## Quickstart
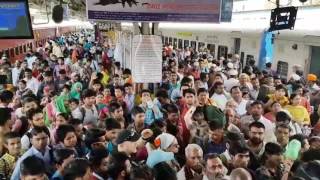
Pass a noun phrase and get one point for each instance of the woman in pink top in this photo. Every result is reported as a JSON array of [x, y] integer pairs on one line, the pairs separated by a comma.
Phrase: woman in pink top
[[275, 107]]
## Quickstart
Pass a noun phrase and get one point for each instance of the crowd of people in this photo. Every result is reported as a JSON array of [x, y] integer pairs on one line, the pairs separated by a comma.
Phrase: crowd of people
[[70, 111]]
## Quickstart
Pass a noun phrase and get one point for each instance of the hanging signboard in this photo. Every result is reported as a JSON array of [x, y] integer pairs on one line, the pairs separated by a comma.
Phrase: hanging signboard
[[155, 10], [147, 59]]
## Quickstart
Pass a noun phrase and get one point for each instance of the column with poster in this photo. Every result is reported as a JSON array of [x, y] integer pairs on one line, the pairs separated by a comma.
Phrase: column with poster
[[147, 59]]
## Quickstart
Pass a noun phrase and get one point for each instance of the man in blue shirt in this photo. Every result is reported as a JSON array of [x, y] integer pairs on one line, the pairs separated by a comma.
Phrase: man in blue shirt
[[40, 149]]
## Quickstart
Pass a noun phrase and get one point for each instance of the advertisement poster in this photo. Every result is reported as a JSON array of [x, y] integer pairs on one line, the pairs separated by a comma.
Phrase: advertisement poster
[[147, 59], [155, 10]]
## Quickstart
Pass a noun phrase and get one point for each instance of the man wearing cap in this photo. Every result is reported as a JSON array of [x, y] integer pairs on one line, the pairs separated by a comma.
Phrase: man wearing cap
[[232, 81]]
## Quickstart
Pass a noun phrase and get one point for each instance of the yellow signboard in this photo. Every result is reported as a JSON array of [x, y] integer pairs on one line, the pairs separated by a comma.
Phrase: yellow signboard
[[184, 34]]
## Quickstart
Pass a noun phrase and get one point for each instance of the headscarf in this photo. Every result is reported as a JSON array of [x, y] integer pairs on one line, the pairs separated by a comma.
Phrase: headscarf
[[60, 103], [74, 93], [164, 140]]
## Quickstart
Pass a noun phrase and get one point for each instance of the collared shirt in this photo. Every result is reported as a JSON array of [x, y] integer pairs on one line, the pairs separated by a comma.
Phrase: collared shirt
[[7, 164], [220, 99], [241, 108], [31, 152], [33, 85]]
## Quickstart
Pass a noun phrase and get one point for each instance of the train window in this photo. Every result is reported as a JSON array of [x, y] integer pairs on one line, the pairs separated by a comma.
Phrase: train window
[[175, 42], [212, 49], [37, 44], [194, 44], [222, 51], [162, 38], [11, 52], [186, 43], [282, 69], [180, 44], [170, 40], [20, 48], [16, 50], [30, 46], [166, 40], [24, 48], [201, 46], [7, 53]]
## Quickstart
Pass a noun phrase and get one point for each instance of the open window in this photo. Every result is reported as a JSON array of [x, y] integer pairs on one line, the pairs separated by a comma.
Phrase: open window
[[282, 69]]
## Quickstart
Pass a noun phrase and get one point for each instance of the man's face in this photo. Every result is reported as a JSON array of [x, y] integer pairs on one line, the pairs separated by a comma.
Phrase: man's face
[[277, 82], [118, 93], [256, 135], [219, 89], [215, 167], [129, 90], [70, 141], [216, 135], [139, 118], [38, 120], [315, 145], [14, 146], [275, 159], [280, 93], [282, 135], [40, 141], [256, 110], [90, 100], [241, 160], [194, 159], [22, 86], [79, 130], [203, 97], [118, 113], [28, 75], [189, 98], [112, 134], [104, 165], [145, 97], [173, 117], [236, 94]]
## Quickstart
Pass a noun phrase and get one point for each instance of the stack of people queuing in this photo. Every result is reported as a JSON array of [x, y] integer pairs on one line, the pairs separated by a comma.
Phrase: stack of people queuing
[[70, 111]]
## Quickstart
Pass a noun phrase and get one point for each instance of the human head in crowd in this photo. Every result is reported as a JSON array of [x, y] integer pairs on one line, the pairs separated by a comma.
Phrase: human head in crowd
[[97, 86], [78, 126], [171, 113], [119, 166], [256, 110], [95, 138], [127, 142], [240, 174], [236, 94], [39, 138], [89, 97], [214, 167], [66, 136], [194, 157], [5, 98], [163, 97], [62, 157], [113, 128], [256, 133], [141, 173], [5, 120], [128, 88], [280, 91], [167, 142], [189, 96], [32, 168], [272, 156], [203, 96], [117, 80], [99, 160], [61, 118], [12, 143], [116, 110], [240, 156], [282, 134], [36, 117], [314, 142], [145, 96], [216, 134], [138, 116], [77, 169], [118, 92]]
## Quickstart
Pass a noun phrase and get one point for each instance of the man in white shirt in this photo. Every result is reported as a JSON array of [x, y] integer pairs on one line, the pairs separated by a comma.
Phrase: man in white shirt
[[232, 81], [16, 73], [236, 94], [219, 96], [256, 114], [32, 83]]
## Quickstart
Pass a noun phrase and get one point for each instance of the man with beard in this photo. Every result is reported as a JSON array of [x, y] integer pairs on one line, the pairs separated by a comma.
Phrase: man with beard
[[119, 166], [214, 168], [193, 168], [256, 136], [99, 159]]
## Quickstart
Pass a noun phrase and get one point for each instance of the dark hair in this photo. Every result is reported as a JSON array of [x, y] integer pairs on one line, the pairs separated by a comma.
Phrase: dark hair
[[5, 114], [281, 86], [163, 171], [141, 172], [10, 135], [162, 93], [117, 164], [271, 149], [127, 71], [119, 87], [32, 166], [75, 169], [88, 93], [213, 125], [73, 100], [310, 155], [188, 91], [28, 99], [33, 112], [37, 130], [74, 122], [136, 110], [171, 108], [283, 126], [114, 106], [6, 96], [63, 130], [97, 155], [292, 96], [186, 80], [111, 123], [202, 90], [239, 149], [256, 124], [203, 76], [234, 87], [282, 116], [145, 91], [215, 85], [296, 86], [59, 155], [256, 103], [22, 81], [127, 85], [92, 136]]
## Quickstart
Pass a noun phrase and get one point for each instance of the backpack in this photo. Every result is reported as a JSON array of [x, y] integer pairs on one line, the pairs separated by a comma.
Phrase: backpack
[[83, 112], [5, 174]]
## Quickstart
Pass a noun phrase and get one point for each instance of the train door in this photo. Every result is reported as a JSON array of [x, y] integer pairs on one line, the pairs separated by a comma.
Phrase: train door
[[175, 42], [237, 45], [186, 43], [194, 45], [180, 44], [212, 49], [201, 46], [315, 63], [222, 51]]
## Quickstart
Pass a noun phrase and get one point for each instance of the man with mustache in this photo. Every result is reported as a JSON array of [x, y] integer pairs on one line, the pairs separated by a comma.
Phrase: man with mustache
[[256, 138]]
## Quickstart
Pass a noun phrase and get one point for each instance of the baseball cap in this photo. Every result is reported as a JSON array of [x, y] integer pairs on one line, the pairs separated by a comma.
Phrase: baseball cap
[[127, 135]]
